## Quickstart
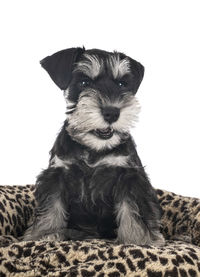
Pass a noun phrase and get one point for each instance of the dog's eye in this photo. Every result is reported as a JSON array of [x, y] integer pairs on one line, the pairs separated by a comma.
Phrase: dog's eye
[[84, 83], [122, 84]]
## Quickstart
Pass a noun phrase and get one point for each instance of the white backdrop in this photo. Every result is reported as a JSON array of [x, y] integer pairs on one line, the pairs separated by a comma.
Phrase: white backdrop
[[163, 35]]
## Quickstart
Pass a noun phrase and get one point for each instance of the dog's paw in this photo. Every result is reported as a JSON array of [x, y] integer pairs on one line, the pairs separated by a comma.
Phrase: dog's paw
[[54, 237], [147, 239], [31, 234]]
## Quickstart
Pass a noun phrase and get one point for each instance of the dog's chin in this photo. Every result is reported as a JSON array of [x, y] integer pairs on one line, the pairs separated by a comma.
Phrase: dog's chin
[[104, 134], [100, 138]]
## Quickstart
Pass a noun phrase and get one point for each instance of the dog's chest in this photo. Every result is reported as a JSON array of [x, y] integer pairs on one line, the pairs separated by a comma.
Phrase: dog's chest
[[109, 160], [100, 172], [98, 181], [103, 174], [92, 200], [93, 176], [91, 187]]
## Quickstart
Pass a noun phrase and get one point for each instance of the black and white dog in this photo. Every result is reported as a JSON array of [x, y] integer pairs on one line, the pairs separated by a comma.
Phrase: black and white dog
[[95, 185]]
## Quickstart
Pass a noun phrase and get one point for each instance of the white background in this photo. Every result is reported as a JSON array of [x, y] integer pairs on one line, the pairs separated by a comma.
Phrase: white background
[[163, 35]]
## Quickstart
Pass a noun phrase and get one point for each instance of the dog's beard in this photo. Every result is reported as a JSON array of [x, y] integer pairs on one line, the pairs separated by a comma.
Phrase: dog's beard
[[87, 126]]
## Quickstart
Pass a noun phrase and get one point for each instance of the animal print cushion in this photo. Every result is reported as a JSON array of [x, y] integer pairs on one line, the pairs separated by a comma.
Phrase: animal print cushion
[[180, 256]]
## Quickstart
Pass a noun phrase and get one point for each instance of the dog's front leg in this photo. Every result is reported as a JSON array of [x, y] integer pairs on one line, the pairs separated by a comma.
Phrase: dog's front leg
[[137, 210], [51, 214]]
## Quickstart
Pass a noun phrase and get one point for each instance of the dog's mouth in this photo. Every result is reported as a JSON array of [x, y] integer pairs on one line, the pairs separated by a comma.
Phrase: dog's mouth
[[106, 133]]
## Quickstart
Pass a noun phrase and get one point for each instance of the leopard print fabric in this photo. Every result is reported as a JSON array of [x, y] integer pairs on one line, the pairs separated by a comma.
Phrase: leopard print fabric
[[16, 208], [181, 217], [180, 220]]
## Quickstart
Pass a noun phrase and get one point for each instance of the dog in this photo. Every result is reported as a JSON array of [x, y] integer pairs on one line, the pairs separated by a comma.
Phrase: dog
[[95, 185]]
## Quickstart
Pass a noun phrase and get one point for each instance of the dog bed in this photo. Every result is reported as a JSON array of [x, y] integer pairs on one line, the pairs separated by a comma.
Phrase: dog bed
[[180, 256]]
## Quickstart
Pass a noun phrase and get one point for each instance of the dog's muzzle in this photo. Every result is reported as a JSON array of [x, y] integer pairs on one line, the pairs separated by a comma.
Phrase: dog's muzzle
[[106, 133], [110, 115]]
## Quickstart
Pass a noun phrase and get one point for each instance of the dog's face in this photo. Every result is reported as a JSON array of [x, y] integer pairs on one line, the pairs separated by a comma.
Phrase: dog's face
[[99, 89]]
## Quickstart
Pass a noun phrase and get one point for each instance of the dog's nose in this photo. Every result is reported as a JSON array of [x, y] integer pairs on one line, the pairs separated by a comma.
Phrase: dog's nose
[[110, 114]]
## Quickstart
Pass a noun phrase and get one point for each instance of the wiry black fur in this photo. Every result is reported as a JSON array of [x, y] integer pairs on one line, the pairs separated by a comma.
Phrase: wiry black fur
[[89, 195], [107, 185]]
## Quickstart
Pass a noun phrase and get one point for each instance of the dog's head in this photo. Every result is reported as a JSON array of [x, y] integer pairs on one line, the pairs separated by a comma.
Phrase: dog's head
[[99, 88]]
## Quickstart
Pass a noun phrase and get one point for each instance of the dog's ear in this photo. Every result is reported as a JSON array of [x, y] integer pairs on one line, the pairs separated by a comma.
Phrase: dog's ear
[[138, 71], [60, 65]]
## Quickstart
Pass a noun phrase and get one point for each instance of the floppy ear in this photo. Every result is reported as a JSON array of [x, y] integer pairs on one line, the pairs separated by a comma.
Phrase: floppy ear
[[60, 65], [137, 70]]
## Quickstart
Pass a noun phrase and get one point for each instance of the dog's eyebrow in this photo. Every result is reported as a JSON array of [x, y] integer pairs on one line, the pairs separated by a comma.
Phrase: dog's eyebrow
[[92, 66], [119, 67]]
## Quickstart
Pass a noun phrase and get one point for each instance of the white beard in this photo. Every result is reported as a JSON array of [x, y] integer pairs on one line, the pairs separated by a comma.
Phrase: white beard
[[87, 117]]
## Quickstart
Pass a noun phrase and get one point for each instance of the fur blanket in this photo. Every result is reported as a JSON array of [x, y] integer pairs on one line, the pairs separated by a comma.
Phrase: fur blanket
[[180, 256]]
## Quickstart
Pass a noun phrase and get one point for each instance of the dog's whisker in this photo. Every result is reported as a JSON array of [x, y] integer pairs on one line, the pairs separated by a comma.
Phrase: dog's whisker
[[70, 109], [69, 112], [72, 106]]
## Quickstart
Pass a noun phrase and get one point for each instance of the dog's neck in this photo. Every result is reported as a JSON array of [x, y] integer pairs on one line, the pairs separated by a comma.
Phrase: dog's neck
[[67, 149]]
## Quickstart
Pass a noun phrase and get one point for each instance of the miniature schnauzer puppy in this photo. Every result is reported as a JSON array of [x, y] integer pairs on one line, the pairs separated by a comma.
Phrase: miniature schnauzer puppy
[[95, 185]]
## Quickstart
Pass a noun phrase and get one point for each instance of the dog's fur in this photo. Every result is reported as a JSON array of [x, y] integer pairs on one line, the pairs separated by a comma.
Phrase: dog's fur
[[95, 185]]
